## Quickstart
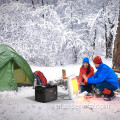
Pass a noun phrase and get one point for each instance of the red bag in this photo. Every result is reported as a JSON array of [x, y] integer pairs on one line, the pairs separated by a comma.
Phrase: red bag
[[41, 76]]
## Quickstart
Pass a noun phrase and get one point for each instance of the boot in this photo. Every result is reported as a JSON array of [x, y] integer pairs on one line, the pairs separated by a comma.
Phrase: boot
[[108, 94], [109, 97]]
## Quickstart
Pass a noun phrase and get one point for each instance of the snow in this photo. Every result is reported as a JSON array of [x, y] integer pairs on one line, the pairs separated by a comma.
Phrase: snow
[[21, 105]]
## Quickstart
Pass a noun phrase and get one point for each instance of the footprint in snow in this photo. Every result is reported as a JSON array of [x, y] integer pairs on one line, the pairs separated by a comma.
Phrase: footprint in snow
[[22, 111], [3, 112], [33, 106]]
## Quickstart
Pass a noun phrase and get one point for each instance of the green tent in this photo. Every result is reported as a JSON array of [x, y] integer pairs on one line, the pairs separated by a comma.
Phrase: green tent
[[14, 69]]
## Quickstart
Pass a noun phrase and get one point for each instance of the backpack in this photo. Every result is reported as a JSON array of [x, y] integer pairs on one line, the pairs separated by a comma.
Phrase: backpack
[[41, 79]]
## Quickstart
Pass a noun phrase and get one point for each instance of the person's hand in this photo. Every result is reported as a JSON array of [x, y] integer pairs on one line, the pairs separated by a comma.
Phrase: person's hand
[[85, 77], [81, 83]]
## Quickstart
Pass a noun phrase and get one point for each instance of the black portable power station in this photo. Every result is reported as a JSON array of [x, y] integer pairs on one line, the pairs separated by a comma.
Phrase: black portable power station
[[46, 93]]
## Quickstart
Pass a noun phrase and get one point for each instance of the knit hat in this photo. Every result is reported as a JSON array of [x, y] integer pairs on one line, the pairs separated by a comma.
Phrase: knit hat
[[86, 59], [97, 60]]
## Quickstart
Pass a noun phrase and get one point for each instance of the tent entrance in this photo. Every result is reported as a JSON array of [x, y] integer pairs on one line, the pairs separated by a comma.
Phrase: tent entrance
[[20, 76]]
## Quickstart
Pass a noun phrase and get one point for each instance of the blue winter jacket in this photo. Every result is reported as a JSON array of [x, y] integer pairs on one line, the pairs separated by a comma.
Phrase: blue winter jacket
[[104, 73]]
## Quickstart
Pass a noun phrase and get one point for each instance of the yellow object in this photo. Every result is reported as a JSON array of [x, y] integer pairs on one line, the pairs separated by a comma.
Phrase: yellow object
[[75, 85]]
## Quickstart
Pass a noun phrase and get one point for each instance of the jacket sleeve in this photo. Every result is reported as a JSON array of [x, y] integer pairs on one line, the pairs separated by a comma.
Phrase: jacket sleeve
[[91, 72], [98, 78], [80, 76]]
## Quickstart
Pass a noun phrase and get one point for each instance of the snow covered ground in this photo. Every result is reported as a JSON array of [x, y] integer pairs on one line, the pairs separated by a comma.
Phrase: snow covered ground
[[21, 105]]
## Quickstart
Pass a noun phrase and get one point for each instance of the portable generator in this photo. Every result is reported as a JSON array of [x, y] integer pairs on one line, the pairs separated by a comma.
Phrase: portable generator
[[46, 93]]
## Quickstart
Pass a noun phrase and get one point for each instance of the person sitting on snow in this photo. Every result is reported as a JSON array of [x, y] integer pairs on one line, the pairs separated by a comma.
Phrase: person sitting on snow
[[104, 79], [88, 71]]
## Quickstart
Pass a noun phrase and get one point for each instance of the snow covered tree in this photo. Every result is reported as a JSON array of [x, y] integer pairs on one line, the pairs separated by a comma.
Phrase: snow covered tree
[[109, 25], [57, 32], [116, 52]]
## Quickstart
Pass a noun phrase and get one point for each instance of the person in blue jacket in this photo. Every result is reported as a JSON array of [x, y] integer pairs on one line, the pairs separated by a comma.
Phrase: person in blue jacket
[[104, 79]]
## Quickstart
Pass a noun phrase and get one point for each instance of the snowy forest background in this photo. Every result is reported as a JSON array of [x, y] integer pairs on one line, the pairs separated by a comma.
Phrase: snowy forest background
[[59, 32]]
